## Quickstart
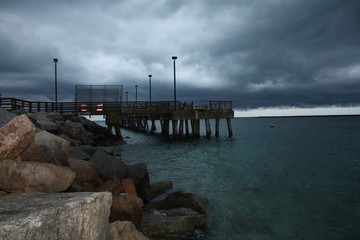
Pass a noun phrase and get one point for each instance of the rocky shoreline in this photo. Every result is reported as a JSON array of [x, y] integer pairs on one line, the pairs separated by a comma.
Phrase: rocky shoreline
[[53, 153]]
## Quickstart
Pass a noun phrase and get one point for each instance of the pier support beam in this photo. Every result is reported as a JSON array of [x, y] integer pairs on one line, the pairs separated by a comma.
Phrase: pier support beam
[[175, 128], [217, 126], [165, 127], [181, 128], [229, 127], [187, 127], [208, 128], [196, 128], [153, 126]]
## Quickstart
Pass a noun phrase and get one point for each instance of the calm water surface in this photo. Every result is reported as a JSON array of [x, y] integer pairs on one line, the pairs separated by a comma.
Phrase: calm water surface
[[298, 180]]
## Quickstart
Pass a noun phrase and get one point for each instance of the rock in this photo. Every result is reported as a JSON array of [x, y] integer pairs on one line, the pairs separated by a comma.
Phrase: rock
[[73, 142], [126, 207], [85, 171], [5, 117], [125, 230], [110, 166], [91, 126], [139, 173], [49, 148], [49, 126], [60, 216], [87, 187], [181, 221], [196, 202], [79, 153], [76, 131], [159, 188], [114, 186], [16, 136], [113, 168], [34, 177], [4, 194], [129, 186]]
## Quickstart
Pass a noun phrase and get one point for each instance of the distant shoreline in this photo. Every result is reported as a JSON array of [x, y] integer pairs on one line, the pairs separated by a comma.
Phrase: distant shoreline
[[308, 116]]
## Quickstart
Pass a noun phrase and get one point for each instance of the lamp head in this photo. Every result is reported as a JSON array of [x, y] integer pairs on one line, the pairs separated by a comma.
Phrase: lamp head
[[174, 57], [150, 76], [55, 60], [136, 86]]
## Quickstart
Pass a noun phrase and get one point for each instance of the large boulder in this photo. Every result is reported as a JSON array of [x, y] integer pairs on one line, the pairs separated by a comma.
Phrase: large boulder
[[16, 136], [61, 216], [126, 207], [110, 166], [6, 116], [196, 202], [49, 148], [34, 177], [158, 188], [85, 171], [76, 131], [125, 230], [180, 221]]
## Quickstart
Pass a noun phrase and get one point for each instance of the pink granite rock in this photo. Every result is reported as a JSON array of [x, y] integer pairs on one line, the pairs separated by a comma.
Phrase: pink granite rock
[[15, 137], [34, 177]]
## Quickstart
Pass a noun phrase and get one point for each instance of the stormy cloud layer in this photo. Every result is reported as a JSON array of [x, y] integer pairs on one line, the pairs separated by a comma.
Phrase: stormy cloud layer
[[259, 53]]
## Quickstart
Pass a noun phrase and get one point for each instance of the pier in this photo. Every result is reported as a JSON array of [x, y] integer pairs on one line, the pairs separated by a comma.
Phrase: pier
[[184, 117]]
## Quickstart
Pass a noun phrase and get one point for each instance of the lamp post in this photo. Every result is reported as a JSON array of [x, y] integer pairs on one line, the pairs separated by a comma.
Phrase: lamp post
[[127, 99], [174, 58], [56, 61], [150, 87], [136, 86]]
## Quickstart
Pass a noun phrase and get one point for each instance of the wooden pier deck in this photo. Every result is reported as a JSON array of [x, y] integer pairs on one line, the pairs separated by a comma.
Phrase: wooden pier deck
[[138, 114]]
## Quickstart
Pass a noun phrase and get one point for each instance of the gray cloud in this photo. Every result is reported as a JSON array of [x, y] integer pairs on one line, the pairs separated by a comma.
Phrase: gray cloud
[[302, 53]]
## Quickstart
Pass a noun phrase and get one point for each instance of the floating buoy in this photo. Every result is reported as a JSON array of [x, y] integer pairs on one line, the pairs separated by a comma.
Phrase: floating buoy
[[272, 125]]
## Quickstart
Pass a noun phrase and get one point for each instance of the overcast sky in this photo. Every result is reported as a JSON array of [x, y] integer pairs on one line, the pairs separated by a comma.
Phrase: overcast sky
[[259, 53]]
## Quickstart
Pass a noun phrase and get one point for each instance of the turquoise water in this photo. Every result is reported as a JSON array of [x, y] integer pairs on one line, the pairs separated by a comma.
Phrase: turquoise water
[[298, 180]]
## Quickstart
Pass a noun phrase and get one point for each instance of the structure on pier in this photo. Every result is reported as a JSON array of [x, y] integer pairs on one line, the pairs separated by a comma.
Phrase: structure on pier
[[138, 114]]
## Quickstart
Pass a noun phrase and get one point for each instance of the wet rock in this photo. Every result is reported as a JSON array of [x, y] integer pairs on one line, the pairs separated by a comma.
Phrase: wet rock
[[114, 186], [110, 166], [16, 136], [162, 223], [76, 131], [34, 177], [47, 148], [59, 216], [85, 171], [125, 230], [196, 202], [159, 187], [126, 207], [79, 153]]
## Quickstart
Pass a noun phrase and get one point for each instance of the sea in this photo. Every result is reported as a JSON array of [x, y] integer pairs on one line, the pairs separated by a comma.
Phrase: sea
[[292, 178]]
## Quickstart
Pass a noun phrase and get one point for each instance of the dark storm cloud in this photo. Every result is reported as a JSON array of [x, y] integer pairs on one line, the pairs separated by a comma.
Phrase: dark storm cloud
[[258, 53]]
